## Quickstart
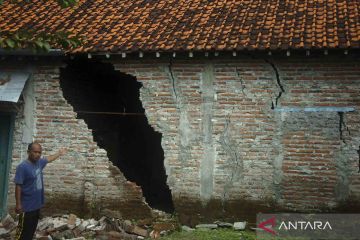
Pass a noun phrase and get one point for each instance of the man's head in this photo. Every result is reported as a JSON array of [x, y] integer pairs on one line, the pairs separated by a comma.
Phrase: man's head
[[34, 151]]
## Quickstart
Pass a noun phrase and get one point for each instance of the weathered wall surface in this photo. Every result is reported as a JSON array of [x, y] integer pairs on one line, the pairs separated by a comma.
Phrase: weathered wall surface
[[320, 149], [227, 146], [83, 181]]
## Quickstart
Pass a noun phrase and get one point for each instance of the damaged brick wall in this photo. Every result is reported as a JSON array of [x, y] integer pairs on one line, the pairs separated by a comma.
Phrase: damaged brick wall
[[310, 143], [84, 181], [226, 145], [228, 116], [320, 161]]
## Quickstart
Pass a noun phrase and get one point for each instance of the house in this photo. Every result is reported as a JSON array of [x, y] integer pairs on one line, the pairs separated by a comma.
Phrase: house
[[216, 108]]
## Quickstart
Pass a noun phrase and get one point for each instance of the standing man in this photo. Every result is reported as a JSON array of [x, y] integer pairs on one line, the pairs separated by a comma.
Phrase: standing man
[[29, 190]]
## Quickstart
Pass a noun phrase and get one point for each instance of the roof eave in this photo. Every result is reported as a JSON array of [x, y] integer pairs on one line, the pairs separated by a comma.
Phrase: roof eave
[[30, 52]]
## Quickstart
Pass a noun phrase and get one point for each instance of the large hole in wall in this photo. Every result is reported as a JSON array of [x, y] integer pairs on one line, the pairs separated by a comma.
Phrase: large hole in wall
[[108, 101]]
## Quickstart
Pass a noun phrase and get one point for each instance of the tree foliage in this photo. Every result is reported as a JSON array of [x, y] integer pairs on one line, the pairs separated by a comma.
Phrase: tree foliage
[[62, 3], [39, 41]]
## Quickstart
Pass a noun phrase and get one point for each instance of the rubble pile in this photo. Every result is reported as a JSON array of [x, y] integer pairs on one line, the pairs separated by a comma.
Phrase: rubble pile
[[7, 225], [106, 228]]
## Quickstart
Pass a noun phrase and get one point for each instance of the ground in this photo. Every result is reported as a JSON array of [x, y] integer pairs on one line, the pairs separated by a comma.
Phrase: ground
[[218, 234]]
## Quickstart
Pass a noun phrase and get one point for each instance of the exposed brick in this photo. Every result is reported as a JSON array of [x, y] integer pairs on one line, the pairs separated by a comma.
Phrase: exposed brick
[[249, 137]]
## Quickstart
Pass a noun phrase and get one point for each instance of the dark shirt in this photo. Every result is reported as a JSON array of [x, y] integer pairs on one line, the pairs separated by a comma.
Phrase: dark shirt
[[30, 177]]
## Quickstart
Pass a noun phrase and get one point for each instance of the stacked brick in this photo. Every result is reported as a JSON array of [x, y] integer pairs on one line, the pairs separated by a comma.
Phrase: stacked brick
[[85, 181], [320, 149], [294, 160], [259, 157]]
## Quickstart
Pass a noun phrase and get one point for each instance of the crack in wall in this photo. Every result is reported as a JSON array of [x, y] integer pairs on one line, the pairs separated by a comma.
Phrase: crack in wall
[[236, 165], [358, 152], [281, 87], [346, 162], [173, 81], [185, 133], [243, 87], [341, 124], [341, 119]]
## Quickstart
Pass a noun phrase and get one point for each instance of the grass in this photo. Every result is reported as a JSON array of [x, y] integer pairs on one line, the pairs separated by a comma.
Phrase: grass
[[218, 234]]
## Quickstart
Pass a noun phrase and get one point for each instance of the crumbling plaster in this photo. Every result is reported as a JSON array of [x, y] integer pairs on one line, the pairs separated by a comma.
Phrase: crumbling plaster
[[223, 138]]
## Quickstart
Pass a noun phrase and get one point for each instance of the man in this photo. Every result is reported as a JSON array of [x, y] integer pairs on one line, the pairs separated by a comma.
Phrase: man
[[29, 190]]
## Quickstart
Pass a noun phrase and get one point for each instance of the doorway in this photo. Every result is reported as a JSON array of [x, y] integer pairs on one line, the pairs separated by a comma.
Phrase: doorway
[[6, 133]]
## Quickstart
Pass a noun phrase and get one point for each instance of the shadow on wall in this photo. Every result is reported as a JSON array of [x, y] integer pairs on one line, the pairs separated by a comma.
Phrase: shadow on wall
[[109, 103]]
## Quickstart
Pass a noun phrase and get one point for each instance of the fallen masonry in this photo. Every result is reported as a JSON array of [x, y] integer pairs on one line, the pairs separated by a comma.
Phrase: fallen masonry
[[107, 228]]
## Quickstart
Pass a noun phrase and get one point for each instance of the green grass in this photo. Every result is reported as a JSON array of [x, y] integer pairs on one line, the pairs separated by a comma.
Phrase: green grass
[[218, 234]]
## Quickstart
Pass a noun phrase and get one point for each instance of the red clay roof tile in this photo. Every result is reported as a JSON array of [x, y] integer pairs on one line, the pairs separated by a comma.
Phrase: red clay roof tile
[[174, 25]]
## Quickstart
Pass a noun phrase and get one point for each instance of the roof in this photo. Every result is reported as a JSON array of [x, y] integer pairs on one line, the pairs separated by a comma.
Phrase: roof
[[11, 85], [194, 25]]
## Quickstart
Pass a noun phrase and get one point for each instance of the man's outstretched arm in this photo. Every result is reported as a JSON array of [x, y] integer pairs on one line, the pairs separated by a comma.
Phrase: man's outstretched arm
[[55, 156]]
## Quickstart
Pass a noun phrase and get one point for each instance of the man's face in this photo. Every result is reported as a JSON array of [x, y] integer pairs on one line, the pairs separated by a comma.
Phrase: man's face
[[34, 153]]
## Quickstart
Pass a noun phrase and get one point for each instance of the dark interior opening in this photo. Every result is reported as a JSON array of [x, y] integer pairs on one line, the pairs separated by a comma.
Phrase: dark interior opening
[[109, 102]]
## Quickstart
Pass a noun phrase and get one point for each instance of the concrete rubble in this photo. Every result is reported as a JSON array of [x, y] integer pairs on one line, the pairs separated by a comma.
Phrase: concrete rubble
[[207, 226], [7, 225], [217, 224], [240, 225], [106, 228]]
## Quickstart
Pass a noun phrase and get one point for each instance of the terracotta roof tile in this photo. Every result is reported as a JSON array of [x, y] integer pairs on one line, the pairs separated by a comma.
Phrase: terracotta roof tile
[[173, 25]]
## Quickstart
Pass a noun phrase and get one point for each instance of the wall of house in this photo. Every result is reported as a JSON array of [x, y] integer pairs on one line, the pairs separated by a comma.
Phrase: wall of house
[[84, 181], [227, 144], [232, 144]]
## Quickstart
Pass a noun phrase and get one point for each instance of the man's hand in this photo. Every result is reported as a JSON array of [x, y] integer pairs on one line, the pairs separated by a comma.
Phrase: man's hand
[[18, 209], [61, 152]]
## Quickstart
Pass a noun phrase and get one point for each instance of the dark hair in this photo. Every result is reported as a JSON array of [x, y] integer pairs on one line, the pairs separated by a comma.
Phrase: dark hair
[[31, 145]]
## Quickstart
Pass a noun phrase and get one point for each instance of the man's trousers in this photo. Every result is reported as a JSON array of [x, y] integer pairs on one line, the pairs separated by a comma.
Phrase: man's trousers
[[27, 225]]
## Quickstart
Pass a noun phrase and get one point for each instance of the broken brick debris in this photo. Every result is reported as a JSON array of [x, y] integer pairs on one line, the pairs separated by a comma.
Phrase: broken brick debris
[[7, 224], [75, 228], [106, 228], [70, 227]]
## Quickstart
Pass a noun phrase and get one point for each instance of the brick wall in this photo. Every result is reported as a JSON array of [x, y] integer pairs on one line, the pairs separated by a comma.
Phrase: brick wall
[[225, 147], [84, 181], [320, 158], [261, 158]]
